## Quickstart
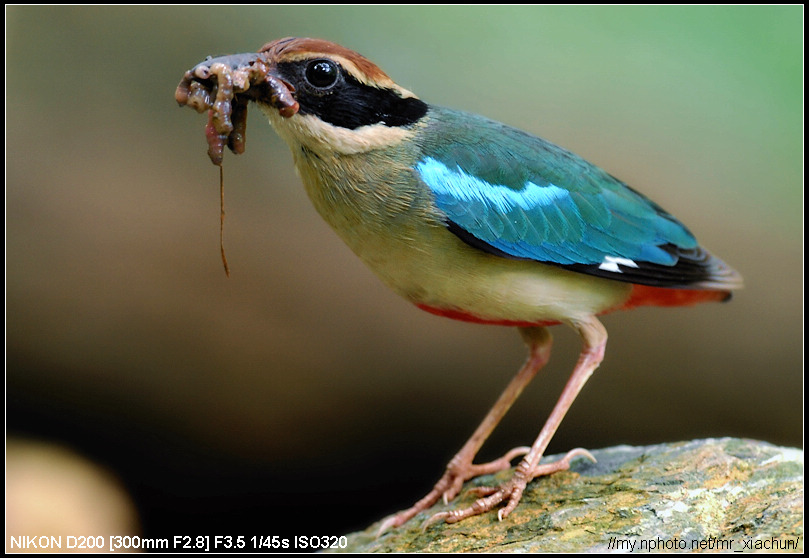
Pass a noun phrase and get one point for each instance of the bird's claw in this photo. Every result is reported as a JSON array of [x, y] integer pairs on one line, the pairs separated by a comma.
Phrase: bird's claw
[[449, 486], [435, 518], [510, 491]]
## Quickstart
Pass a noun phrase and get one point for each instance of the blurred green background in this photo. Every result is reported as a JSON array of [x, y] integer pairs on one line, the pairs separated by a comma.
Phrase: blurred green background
[[301, 387]]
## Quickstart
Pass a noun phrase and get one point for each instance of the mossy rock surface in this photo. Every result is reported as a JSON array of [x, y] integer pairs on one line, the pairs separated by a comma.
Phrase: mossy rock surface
[[704, 495]]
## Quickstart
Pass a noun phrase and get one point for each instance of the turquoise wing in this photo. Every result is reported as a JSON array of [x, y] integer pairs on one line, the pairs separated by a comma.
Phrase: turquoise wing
[[518, 196]]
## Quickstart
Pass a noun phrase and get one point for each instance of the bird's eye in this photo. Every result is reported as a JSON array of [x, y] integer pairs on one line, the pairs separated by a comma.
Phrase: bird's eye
[[322, 73]]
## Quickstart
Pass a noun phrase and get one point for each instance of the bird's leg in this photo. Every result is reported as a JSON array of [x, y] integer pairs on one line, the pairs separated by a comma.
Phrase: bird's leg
[[595, 340], [460, 468]]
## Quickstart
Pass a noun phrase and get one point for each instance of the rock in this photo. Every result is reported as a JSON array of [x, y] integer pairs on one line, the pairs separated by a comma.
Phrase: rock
[[705, 495]]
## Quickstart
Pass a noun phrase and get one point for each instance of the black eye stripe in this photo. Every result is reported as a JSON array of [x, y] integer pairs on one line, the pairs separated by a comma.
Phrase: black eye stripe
[[348, 103]]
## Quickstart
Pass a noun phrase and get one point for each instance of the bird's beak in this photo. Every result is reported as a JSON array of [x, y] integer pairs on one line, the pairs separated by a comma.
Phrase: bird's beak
[[223, 86]]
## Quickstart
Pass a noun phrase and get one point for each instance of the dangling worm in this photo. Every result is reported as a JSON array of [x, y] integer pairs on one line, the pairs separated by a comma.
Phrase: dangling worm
[[223, 86]]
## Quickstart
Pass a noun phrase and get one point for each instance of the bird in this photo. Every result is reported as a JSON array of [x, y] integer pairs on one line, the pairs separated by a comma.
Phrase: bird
[[465, 218]]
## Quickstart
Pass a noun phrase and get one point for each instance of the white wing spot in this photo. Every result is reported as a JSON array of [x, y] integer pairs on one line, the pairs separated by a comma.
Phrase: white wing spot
[[611, 263]]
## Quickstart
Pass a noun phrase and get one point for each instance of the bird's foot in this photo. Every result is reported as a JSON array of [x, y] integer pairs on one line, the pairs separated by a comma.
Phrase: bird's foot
[[510, 491], [447, 488]]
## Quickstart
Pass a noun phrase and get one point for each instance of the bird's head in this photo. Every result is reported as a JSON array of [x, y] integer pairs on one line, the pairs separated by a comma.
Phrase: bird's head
[[318, 95]]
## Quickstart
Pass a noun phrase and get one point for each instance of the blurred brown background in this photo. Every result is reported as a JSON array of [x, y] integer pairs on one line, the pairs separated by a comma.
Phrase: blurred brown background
[[300, 393]]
